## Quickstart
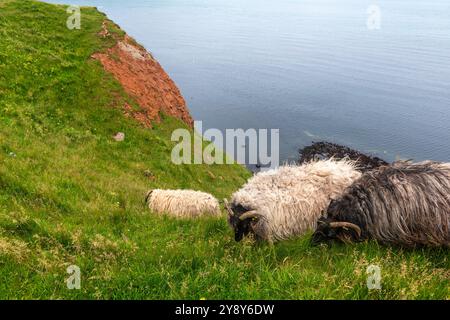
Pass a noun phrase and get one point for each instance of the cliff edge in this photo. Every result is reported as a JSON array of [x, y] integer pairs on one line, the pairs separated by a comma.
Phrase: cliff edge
[[143, 78]]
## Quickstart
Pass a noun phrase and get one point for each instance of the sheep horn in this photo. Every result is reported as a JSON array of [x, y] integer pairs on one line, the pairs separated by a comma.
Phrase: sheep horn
[[249, 214], [227, 206], [346, 225], [148, 195]]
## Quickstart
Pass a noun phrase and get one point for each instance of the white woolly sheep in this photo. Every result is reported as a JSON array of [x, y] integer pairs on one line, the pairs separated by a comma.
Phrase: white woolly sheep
[[286, 202], [182, 203]]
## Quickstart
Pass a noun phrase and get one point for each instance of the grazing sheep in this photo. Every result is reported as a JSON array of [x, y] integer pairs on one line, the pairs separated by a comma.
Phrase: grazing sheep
[[286, 202], [182, 203], [327, 150], [404, 204]]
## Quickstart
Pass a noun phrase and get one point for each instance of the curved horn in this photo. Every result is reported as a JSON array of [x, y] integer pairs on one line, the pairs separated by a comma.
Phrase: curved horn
[[346, 225], [227, 206], [148, 195], [249, 214]]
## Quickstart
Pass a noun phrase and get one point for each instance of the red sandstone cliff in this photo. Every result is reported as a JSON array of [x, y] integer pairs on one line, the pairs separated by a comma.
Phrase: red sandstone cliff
[[143, 78]]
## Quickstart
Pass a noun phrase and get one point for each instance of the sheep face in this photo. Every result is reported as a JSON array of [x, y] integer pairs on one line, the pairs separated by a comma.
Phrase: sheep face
[[243, 221], [332, 225], [241, 227], [328, 230]]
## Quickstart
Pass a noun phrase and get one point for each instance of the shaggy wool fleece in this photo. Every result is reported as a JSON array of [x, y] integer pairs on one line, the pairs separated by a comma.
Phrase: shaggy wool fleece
[[404, 204], [182, 203], [290, 199]]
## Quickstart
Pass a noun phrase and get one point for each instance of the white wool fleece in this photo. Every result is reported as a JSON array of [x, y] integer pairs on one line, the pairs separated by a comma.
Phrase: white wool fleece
[[183, 203], [290, 199]]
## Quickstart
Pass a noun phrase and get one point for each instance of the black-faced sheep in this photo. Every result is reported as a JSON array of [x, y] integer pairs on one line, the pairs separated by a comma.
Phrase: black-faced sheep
[[286, 202], [404, 204], [326, 150], [182, 203]]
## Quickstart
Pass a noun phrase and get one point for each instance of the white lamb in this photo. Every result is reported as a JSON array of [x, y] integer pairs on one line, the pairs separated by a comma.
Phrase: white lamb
[[182, 203]]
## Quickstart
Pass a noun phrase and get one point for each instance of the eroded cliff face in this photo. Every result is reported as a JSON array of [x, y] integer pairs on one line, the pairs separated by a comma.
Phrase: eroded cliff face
[[143, 78]]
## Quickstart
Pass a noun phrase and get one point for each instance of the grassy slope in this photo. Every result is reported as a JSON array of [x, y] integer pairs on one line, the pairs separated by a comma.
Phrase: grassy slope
[[70, 195]]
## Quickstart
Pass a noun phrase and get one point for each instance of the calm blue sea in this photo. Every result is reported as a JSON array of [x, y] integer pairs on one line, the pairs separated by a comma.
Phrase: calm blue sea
[[311, 68]]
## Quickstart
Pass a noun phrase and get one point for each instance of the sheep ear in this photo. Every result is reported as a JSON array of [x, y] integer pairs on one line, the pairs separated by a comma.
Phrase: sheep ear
[[228, 208], [250, 214], [348, 225]]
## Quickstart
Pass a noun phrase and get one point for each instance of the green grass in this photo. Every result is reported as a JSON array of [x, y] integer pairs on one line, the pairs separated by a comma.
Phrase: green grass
[[69, 194]]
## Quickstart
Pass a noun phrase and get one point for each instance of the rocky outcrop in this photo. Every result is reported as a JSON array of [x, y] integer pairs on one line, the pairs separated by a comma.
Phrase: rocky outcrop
[[325, 150], [145, 80]]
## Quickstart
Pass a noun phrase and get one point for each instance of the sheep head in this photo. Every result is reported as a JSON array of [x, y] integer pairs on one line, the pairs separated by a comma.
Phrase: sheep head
[[339, 222], [328, 230], [241, 219]]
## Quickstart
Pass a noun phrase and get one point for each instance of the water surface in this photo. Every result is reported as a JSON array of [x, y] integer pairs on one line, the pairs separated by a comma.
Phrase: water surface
[[311, 68]]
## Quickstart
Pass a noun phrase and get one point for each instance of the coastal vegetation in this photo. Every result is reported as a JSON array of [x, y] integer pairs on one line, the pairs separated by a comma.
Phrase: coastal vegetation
[[72, 195]]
